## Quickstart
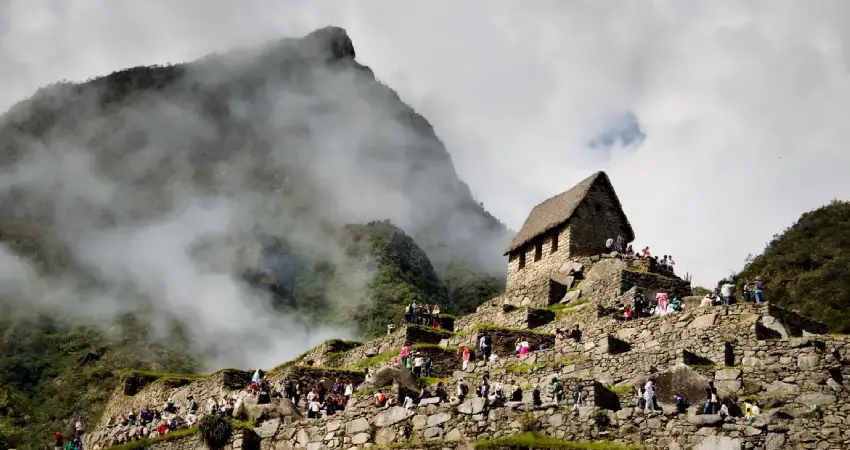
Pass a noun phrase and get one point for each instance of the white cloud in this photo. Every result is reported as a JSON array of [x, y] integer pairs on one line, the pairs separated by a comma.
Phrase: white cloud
[[744, 104]]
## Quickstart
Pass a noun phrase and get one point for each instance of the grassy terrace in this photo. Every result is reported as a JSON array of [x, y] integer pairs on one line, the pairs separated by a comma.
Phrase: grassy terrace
[[390, 354], [525, 368], [562, 310], [158, 375], [348, 344], [142, 444], [519, 442], [486, 327]]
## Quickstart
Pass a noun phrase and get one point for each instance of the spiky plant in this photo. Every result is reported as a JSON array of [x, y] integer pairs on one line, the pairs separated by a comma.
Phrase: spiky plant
[[215, 431]]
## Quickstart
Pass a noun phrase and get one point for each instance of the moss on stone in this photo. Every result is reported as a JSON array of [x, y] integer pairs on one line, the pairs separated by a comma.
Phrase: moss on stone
[[539, 441], [142, 444], [377, 359], [522, 368]]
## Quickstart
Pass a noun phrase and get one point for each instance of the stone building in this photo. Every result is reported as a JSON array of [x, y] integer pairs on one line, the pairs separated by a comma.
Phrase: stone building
[[567, 226]]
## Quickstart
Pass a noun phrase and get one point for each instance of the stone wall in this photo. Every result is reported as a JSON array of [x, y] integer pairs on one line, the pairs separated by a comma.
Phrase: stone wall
[[531, 282], [795, 324], [328, 353], [241, 440], [651, 284], [507, 316], [504, 339], [596, 219]]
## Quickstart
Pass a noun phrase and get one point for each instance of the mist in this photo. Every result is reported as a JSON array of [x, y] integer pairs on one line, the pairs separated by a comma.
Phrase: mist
[[155, 196]]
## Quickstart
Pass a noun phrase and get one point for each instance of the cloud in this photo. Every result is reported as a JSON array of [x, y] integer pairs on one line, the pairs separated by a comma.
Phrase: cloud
[[744, 104]]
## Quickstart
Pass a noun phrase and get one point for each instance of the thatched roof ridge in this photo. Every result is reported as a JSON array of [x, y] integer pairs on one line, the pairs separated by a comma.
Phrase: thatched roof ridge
[[557, 210]]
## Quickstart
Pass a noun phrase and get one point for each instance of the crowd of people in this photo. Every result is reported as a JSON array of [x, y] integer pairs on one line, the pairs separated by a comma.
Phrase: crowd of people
[[640, 306], [73, 443], [619, 245]]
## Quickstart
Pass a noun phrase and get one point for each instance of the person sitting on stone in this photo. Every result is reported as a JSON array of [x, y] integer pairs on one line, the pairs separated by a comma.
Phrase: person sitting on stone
[[681, 403], [677, 305], [609, 245], [440, 392], [331, 405], [391, 401], [629, 249], [380, 398], [576, 333], [264, 395], [493, 358], [516, 394], [560, 335], [462, 391], [498, 394], [706, 301], [408, 402]]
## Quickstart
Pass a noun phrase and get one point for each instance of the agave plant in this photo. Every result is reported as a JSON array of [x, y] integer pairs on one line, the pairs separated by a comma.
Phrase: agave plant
[[215, 431]]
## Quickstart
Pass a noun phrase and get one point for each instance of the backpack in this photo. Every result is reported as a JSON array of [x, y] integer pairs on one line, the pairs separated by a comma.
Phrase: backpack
[[488, 341]]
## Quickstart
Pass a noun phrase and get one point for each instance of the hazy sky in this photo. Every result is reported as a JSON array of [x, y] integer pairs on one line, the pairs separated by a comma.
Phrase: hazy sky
[[745, 106]]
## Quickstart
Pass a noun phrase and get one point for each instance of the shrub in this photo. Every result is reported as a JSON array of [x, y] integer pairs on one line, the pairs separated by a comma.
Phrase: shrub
[[528, 423], [215, 431], [601, 418]]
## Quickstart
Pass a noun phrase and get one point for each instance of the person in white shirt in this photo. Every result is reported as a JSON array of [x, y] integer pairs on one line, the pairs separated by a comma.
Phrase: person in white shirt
[[609, 243], [408, 402], [349, 390], [493, 357], [726, 293], [418, 362]]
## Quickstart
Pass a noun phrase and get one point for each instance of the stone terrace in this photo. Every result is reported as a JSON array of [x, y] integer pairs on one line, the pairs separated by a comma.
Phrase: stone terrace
[[757, 353]]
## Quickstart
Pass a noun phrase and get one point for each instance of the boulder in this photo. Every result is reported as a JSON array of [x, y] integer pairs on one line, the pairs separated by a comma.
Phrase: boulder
[[391, 416], [720, 443], [705, 420], [471, 406]]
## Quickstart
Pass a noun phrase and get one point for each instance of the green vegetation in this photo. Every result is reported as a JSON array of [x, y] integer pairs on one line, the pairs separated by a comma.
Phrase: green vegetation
[[621, 389], [486, 327], [215, 431], [377, 359], [700, 291], [523, 368], [142, 444], [57, 369], [807, 267], [562, 310], [51, 371], [536, 440]]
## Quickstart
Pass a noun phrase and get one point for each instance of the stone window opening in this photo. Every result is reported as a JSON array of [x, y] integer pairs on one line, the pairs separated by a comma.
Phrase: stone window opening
[[538, 250], [522, 259], [554, 242]]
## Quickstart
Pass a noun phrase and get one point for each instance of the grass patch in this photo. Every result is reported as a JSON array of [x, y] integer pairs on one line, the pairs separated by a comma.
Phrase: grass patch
[[293, 361], [765, 395], [435, 380], [562, 310], [158, 375], [713, 367], [621, 389], [538, 441], [377, 359], [416, 444], [448, 316], [142, 444], [436, 347], [524, 368], [432, 330], [485, 327], [329, 369]]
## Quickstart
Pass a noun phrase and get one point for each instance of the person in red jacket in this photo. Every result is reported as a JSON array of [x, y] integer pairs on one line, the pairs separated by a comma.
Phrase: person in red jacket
[[60, 441]]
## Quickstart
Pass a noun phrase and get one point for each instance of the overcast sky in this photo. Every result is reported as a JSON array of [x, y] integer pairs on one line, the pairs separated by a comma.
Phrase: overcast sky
[[744, 107]]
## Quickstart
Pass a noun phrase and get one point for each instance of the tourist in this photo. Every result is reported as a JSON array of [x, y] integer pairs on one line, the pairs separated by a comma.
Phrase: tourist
[[380, 398], [640, 402], [620, 244], [646, 253], [726, 292], [576, 398], [435, 316], [418, 362], [536, 398], [79, 428], [404, 354], [758, 291], [609, 244], [349, 390], [748, 293], [59, 441], [466, 353], [462, 391], [516, 395], [427, 366], [710, 402], [706, 301], [440, 392], [681, 403], [557, 391], [676, 305], [649, 395], [408, 402], [390, 328], [486, 346]]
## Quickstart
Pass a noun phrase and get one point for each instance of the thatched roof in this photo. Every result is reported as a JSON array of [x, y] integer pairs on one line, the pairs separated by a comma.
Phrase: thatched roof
[[558, 210]]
